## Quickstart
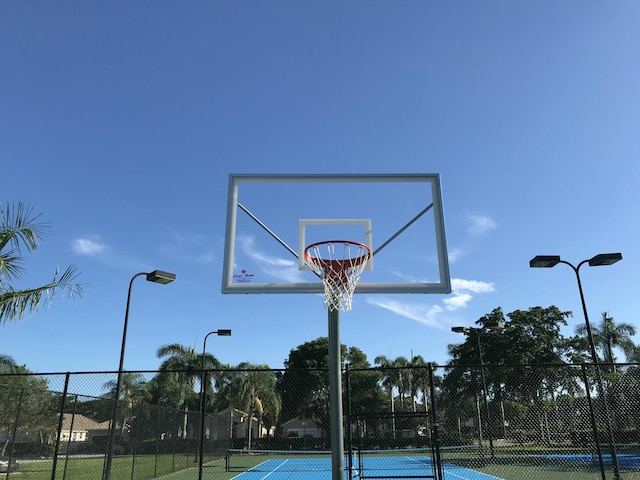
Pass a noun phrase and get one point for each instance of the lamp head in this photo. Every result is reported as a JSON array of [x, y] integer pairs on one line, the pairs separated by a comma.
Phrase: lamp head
[[544, 261], [158, 276], [605, 259], [224, 333], [464, 330], [493, 324]]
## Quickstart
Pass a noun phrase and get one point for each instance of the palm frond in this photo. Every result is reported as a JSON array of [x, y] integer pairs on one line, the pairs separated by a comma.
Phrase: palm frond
[[14, 304], [19, 227], [11, 265]]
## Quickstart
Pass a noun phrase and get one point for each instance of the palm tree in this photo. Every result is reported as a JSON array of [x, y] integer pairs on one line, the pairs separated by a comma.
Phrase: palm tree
[[133, 388], [390, 379], [251, 388], [19, 229], [134, 391], [420, 381], [7, 364], [404, 378], [608, 335], [184, 366]]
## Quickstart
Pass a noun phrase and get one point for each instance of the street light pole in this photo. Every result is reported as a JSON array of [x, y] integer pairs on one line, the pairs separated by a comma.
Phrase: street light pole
[[203, 395], [478, 331], [157, 276], [602, 259]]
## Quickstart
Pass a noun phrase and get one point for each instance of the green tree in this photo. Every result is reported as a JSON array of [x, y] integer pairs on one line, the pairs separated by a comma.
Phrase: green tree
[[20, 229], [179, 372], [366, 396], [7, 364], [396, 377], [27, 407], [304, 384], [390, 376], [609, 335], [251, 388], [133, 391], [420, 380], [528, 337]]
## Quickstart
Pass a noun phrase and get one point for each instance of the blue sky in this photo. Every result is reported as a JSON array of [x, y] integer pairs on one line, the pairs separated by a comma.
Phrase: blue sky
[[122, 121]]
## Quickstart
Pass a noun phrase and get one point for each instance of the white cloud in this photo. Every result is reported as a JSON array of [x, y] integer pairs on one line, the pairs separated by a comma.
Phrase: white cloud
[[473, 286], [422, 313], [457, 301], [462, 292], [88, 246], [481, 224], [283, 269], [189, 247], [92, 246], [455, 254]]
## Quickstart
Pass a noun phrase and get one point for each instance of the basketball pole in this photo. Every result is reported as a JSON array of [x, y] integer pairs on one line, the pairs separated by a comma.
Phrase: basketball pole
[[335, 396]]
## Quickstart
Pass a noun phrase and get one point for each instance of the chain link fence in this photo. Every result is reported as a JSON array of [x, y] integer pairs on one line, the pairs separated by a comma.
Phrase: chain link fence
[[509, 422]]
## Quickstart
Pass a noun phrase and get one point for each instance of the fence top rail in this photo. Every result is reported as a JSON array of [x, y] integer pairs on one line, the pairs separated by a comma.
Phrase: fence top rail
[[448, 366]]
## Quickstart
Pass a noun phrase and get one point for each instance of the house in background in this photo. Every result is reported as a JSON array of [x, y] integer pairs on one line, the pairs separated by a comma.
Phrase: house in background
[[79, 431], [224, 424], [301, 428]]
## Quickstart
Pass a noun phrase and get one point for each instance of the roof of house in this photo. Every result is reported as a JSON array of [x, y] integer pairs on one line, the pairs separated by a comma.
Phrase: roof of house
[[232, 412], [81, 423], [299, 421]]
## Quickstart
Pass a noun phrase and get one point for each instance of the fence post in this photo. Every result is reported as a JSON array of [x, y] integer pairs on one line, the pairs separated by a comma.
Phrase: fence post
[[66, 458], [15, 431], [56, 449], [435, 435], [594, 424], [348, 414]]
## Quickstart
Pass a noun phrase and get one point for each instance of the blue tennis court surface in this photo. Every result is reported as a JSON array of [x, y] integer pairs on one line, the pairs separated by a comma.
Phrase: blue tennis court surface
[[630, 461], [378, 467]]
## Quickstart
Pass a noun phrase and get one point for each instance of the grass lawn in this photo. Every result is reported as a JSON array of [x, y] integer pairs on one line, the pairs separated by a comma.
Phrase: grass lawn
[[507, 466], [123, 468]]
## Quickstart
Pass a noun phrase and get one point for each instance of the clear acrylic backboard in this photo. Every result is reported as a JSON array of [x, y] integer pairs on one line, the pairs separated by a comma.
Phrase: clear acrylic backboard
[[272, 218]]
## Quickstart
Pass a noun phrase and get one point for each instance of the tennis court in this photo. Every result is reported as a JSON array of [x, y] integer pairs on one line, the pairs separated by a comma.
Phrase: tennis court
[[628, 458], [312, 465]]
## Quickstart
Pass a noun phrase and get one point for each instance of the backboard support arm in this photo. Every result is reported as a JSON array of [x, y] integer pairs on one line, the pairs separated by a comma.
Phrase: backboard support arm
[[413, 220]]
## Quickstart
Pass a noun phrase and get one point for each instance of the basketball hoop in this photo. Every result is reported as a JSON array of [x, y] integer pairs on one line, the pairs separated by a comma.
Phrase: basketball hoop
[[339, 267]]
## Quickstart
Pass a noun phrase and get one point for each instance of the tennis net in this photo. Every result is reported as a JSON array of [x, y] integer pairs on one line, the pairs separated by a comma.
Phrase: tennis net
[[394, 463]]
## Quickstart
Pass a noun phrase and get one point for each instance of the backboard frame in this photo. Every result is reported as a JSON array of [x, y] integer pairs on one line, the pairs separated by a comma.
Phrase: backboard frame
[[442, 286]]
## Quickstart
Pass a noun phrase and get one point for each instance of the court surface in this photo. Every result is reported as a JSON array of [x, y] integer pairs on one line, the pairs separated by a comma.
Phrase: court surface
[[396, 467], [629, 461]]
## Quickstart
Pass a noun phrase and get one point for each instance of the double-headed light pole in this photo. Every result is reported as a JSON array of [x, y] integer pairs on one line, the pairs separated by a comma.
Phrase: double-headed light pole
[[203, 396], [157, 276], [602, 259], [477, 331]]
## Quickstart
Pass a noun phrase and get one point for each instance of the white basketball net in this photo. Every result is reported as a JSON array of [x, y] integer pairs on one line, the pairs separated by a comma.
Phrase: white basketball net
[[339, 264]]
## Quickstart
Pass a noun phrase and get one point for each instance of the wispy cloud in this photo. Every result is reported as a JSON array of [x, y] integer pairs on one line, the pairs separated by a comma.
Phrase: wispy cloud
[[462, 292], [189, 247], [426, 314], [455, 254], [481, 224], [89, 246], [277, 267], [94, 247]]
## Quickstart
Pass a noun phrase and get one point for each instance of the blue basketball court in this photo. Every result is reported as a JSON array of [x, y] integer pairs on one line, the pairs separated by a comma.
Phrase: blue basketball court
[[387, 467]]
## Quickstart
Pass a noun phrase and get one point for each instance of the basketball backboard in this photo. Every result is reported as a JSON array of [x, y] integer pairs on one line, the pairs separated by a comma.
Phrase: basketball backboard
[[272, 218]]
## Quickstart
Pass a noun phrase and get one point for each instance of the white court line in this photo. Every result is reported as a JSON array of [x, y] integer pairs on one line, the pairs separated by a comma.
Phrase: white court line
[[275, 469], [267, 475], [447, 473]]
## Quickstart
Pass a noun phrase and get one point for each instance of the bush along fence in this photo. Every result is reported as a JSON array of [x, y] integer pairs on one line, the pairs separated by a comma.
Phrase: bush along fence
[[507, 421]]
